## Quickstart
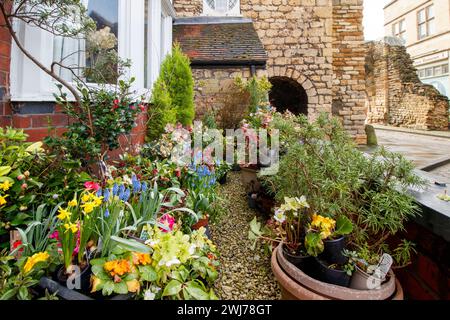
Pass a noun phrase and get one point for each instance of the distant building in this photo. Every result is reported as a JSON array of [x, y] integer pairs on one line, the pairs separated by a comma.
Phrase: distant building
[[424, 25]]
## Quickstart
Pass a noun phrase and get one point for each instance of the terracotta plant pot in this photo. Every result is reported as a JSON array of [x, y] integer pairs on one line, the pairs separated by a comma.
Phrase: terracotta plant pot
[[333, 251], [361, 280], [296, 285]]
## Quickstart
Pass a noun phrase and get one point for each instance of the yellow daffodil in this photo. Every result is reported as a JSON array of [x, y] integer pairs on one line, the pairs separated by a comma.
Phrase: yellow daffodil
[[72, 227], [97, 201], [88, 207], [63, 214], [5, 186], [3, 200], [31, 261], [86, 197], [73, 203]]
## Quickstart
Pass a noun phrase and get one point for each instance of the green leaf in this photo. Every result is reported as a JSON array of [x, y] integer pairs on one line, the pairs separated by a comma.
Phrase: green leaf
[[343, 226], [148, 273], [314, 244], [172, 288], [108, 288], [8, 295], [5, 170], [3, 179], [131, 245], [121, 288], [197, 290], [24, 294]]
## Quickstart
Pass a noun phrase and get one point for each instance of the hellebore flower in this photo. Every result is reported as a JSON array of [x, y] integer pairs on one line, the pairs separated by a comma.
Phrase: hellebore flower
[[90, 185]]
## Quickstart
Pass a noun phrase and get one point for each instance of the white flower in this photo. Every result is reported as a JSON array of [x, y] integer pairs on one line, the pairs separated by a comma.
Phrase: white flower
[[280, 216], [169, 263], [192, 249], [149, 295]]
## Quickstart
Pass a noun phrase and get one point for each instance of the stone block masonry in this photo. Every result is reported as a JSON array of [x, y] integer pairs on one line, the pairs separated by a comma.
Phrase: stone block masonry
[[317, 43], [396, 96]]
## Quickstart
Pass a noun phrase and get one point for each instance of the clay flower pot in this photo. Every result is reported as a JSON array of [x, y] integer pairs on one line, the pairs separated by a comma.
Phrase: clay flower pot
[[296, 285]]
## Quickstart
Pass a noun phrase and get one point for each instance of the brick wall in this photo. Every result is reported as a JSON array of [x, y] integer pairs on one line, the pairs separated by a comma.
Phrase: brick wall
[[5, 58], [396, 96], [302, 38], [428, 277], [349, 56]]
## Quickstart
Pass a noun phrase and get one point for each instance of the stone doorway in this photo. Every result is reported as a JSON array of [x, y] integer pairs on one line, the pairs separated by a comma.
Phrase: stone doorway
[[288, 94]]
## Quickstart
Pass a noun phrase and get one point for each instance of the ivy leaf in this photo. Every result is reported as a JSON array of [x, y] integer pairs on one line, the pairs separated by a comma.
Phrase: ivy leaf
[[172, 288]]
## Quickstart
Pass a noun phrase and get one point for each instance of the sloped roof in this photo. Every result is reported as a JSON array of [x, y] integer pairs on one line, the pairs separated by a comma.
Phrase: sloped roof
[[219, 42]]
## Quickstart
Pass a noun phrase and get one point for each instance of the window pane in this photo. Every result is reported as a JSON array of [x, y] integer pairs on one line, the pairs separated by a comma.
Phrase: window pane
[[222, 5], [428, 72], [430, 12], [431, 27], [402, 26], [445, 69], [422, 31], [437, 71], [421, 73], [102, 45], [421, 16]]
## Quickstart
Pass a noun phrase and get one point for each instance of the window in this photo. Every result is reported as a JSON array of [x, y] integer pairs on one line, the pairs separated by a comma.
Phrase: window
[[221, 7], [426, 22], [399, 29], [137, 30], [431, 72]]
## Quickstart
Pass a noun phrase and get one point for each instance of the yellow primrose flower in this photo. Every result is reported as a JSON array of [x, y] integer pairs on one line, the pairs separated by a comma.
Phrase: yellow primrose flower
[[88, 207], [31, 261], [73, 203], [5, 186], [63, 214], [3, 200], [72, 227]]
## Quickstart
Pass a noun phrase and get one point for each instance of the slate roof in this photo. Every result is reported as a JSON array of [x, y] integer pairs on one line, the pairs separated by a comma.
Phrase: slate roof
[[218, 42]]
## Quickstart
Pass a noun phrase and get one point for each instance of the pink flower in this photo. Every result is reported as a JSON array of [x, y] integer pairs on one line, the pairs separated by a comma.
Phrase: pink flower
[[54, 235], [142, 107], [90, 185], [133, 107], [168, 221]]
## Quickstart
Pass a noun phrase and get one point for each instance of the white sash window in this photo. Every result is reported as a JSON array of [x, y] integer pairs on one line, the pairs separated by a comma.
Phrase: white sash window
[[221, 7]]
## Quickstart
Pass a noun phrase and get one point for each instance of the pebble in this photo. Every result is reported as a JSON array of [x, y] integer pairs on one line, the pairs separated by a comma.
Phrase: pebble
[[244, 274]]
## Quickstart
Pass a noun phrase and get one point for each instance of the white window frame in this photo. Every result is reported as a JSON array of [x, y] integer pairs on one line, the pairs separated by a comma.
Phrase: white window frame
[[31, 84], [234, 12]]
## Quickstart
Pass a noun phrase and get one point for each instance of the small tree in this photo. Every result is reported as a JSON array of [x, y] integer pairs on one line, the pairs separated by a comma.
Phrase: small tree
[[176, 74], [161, 113]]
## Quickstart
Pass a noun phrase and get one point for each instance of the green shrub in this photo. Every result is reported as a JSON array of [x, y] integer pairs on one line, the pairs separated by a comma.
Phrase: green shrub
[[323, 164]]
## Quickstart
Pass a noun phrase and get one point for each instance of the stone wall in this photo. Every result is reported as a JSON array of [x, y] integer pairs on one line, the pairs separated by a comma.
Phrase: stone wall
[[302, 38], [395, 95], [212, 84], [348, 67]]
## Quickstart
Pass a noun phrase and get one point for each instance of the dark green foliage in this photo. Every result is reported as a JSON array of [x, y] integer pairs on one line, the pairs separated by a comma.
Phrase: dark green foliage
[[173, 94]]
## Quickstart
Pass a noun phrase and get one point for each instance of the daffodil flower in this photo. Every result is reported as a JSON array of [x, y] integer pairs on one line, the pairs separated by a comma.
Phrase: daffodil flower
[[3, 200], [6, 185], [63, 214], [72, 227], [73, 203]]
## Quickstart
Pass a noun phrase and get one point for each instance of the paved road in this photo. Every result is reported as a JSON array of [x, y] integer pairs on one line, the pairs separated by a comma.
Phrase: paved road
[[421, 149]]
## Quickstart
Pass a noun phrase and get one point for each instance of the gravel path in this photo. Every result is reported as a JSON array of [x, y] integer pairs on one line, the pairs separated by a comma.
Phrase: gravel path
[[245, 274]]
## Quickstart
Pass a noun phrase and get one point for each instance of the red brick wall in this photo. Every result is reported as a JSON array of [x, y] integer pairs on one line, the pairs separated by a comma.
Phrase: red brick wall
[[428, 277], [5, 59]]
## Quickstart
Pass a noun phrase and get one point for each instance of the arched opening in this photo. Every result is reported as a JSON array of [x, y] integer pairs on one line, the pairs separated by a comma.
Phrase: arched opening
[[288, 94]]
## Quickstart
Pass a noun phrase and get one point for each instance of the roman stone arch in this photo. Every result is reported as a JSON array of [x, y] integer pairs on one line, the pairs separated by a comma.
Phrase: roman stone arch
[[302, 80]]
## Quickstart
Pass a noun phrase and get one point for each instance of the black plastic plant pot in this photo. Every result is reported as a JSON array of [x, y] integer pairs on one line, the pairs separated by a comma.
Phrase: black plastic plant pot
[[64, 293], [333, 251], [304, 263], [252, 200], [223, 179], [332, 276], [85, 278], [236, 167]]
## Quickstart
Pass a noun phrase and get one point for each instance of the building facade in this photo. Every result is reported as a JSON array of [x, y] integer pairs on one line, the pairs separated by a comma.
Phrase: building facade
[[424, 26], [314, 52], [142, 30]]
